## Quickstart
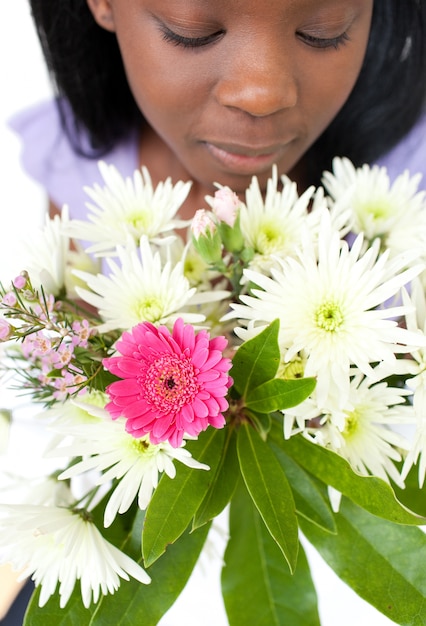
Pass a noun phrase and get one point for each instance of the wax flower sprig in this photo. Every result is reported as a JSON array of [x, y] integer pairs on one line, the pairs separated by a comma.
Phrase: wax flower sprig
[[264, 365], [57, 337]]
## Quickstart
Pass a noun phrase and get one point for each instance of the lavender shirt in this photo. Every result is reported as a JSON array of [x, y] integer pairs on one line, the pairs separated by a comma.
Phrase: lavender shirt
[[48, 157]]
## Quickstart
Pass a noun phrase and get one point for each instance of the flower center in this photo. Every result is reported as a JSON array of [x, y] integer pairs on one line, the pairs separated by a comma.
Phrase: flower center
[[150, 309], [329, 317], [139, 220], [170, 383], [269, 239], [351, 424], [377, 210]]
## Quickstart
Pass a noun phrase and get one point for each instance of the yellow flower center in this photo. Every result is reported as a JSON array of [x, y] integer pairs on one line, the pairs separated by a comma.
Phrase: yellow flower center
[[150, 309], [329, 317], [269, 239]]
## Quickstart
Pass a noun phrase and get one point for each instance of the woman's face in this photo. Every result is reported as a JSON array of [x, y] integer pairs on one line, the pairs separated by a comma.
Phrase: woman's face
[[233, 86]]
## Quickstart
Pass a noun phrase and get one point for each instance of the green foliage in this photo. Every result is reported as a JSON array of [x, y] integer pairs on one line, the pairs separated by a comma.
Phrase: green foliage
[[175, 501], [257, 360], [278, 394], [258, 588], [382, 561], [268, 486], [413, 496], [52, 615], [146, 604], [223, 484], [373, 494], [310, 494]]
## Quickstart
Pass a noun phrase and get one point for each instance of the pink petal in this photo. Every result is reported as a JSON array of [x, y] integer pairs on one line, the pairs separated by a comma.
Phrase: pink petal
[[200, 357], [137, 409], [187, 413], [218, 343], [199, 408], [214, 358], [161, 427], [217, 421], [126, 387], [128, 367], [207, 376]]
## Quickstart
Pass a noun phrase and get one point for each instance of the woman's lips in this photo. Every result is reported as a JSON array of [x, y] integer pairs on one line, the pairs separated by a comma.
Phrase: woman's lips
[[244, 159]]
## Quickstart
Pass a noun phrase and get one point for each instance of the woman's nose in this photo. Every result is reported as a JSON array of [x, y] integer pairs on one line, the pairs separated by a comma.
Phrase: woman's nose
[[258, 79]]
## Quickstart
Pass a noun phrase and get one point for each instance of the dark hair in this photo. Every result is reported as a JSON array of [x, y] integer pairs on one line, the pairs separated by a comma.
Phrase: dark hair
[[388, 98], [85, 65]]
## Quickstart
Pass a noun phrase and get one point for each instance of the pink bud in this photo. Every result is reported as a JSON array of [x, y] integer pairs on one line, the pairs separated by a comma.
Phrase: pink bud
[[202, 224], [225, 205], [20, 282], [5, 330], [9, 299]]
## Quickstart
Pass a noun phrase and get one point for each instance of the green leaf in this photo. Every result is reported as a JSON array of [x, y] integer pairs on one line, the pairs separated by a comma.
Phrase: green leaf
[[267, 484], [310, 495], [52, 615], [256, 360], [176, 500], [278, 394], [134, 603], [413, 496], [383, 562], [260, 421], [257, 586], [223, 485], [370, 492]]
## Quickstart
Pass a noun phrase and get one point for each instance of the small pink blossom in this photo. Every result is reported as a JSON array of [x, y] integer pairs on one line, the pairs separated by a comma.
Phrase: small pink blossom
[[67, 384], [81, 332], [36, 345], [225, 205], [62, 355], [19, 282], [5, 330], [202, 224], [173, 384], [9, 299]]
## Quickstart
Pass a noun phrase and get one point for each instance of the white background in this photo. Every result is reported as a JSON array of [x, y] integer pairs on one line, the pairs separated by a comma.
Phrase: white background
[[24, 81]]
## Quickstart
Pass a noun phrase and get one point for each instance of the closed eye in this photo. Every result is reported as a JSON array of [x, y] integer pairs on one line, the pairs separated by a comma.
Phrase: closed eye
[[323, 43], [190, 42]]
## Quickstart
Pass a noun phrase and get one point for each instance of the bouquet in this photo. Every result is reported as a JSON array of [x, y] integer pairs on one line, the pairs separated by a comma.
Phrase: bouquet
[[266, 359]]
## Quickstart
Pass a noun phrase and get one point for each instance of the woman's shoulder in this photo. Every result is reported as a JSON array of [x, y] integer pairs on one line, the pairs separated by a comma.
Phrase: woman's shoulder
[[49, 157], [409, 154]]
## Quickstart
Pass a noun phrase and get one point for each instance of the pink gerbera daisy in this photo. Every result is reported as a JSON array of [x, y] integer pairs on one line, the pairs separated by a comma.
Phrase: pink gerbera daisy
[[173, 384]]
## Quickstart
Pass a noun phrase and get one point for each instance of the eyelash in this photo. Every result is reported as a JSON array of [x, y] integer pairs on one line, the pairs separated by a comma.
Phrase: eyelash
[[199, 42], [317, 42], [190, 42]]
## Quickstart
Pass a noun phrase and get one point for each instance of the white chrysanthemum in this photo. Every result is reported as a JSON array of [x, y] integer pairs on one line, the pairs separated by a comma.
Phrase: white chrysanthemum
[[78, 259], [326, 308], [393, 212], [128, 207], [42, 490], [136, 463], [49, 259], [416, 322], [139, 290], [45, 256], [272, 227], [71, 414], [56, 545], [360, 431]]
